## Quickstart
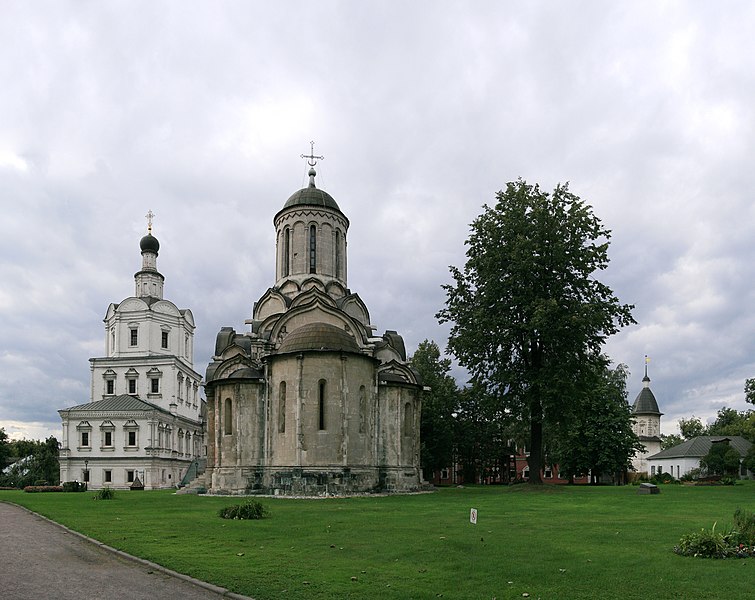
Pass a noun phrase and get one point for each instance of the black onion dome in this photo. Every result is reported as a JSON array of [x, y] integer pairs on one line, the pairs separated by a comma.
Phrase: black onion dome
[[149, 243], [318, 336]]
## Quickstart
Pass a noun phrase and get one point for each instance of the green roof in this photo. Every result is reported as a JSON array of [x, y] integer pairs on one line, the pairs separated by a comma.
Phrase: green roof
[[700, 446], [123, 403]]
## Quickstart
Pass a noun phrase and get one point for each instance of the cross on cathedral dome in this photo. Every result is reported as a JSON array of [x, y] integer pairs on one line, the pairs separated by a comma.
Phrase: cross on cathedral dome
[[149, 242]]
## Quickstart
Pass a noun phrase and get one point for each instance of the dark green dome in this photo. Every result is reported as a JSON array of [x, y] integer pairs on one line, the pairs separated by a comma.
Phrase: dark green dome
[[149, 243], [311, 196], [318, 336]]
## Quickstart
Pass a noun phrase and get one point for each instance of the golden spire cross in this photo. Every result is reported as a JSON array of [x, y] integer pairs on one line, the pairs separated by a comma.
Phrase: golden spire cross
[[311, 158], [149, 216]]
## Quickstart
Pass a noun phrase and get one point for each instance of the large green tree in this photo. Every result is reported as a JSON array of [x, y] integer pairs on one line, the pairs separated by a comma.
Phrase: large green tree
[[670, 440], [529, 317], [439, 403], [721, 459], [481, 437], [692, 428], [36, 461], [733, 422], [596, 434]]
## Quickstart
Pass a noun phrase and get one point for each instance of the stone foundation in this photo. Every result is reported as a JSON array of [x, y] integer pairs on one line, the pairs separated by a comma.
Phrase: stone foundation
[[319, 481]]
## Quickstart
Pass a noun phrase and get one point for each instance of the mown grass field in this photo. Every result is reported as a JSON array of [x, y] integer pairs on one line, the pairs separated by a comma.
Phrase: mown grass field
[[566, 542]]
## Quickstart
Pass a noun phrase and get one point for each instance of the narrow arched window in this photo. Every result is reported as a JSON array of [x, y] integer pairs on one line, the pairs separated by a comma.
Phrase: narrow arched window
[[362, 409], [286, 251], [313, 249], [321, 403], [338, 253], [282, 407], [408, 419], [228, 417]]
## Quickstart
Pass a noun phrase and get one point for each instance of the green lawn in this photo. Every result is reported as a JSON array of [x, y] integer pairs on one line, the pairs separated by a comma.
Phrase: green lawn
[[566, 542]]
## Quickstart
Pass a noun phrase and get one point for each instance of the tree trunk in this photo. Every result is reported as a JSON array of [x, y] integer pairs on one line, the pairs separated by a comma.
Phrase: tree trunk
[[535, 459]]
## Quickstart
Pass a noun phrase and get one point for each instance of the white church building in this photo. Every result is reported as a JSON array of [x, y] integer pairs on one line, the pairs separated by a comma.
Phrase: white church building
[[646, 424], [143, 424]]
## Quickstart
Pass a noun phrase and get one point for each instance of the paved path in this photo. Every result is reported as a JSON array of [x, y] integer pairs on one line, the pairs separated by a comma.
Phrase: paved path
[[40, 559]]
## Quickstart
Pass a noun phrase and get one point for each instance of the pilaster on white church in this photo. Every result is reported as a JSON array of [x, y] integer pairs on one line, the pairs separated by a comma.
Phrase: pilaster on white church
[[143, 422]]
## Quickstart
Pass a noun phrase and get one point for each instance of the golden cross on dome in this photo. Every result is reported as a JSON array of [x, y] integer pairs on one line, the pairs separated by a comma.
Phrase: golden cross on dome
[[311, 158], [149, 216]]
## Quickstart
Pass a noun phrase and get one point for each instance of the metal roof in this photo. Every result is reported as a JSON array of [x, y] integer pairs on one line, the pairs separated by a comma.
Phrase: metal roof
[[700, 446], [318, 336], [124, 402]]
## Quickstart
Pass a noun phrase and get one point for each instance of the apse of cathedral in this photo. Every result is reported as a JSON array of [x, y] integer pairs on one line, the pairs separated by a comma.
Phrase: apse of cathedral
[[310, 400]]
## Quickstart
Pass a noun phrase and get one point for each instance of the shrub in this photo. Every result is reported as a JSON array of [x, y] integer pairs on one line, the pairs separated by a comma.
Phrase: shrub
[[105, 493], [691, 475], [251, 509], [738, 542], [74, 486], [744, 527], [662, 478], [43, 488], [705, 543]]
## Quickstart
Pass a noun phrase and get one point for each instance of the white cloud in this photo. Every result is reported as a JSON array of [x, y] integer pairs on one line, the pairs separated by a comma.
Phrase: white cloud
[[423, 112]]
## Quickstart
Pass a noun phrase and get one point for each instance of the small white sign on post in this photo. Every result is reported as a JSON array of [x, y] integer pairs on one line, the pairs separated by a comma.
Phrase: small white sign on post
[[473, 516]]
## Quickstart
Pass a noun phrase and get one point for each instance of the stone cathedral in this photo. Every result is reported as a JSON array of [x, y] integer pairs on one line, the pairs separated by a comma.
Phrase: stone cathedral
[[310, 400]]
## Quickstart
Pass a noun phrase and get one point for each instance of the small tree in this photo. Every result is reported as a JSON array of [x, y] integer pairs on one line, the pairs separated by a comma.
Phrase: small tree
[[438, 406], [721, 459], [597, 434], [749, 459]]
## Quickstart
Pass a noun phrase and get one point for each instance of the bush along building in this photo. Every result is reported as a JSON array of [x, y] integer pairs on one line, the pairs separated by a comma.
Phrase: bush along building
[[310, 400], [143, 425]]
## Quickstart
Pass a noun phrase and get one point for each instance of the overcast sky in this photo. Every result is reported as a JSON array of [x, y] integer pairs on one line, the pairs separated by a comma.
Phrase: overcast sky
[[200, 111]]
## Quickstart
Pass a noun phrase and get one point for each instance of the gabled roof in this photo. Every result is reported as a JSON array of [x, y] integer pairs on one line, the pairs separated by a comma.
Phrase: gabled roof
[[700, 446], [123, 403]]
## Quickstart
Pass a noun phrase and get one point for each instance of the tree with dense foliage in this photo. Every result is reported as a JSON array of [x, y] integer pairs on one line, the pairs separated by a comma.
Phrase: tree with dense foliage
[[750, 390], [35, 461], [597, 436], [529, 317], [733, 422], [749, 459], [692, 428], [481, 437], [721, 459], [4, 448], [438, 406], [670, 440]]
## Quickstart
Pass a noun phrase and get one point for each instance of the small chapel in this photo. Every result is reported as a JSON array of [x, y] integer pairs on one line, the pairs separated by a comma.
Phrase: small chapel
[[310, 400]]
